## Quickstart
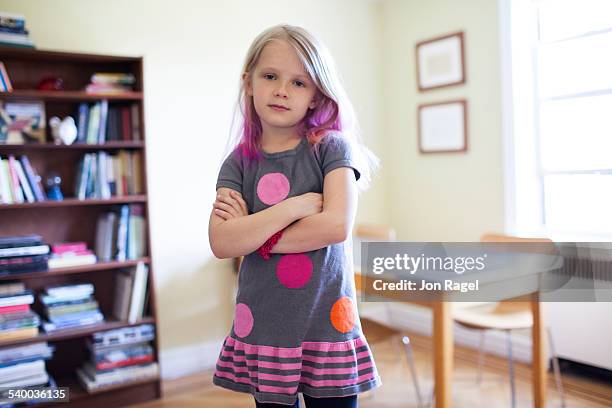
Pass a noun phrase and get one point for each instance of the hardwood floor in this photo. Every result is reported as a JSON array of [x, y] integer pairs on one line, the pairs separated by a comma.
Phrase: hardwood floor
[[397, 390]]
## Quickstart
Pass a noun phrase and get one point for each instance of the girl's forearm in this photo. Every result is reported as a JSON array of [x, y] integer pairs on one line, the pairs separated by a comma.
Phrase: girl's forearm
[[312, 233], [243, 235]]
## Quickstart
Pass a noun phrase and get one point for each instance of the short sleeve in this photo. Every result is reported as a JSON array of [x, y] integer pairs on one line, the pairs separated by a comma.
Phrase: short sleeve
[[336, 151], [230, 175]]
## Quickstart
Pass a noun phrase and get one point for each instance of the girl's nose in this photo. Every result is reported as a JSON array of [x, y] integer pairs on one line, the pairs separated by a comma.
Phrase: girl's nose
[[281, 91]]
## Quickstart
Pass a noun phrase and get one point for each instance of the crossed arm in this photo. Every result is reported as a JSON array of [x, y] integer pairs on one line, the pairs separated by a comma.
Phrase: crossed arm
[[232, 232]]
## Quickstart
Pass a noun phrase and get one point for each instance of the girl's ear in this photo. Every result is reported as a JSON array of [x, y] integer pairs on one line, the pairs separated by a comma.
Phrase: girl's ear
[[314, 103], [248, 86]]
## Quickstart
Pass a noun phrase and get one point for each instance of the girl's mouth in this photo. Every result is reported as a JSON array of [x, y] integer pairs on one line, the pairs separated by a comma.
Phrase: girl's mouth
[[279, 108]]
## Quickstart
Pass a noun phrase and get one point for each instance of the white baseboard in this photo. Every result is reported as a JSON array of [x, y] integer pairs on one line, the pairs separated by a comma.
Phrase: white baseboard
[[182, 361], [419, 320]]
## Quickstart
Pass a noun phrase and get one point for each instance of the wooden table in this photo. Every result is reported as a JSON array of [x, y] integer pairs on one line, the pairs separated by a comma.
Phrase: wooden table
[[443, 345]]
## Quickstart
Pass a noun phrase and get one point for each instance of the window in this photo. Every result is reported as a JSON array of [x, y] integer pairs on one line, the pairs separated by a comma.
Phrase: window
[[561, 128]]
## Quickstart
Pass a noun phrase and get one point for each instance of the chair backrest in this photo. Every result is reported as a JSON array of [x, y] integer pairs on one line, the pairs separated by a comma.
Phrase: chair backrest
[[374, 232], [493, 237], [369, 232]]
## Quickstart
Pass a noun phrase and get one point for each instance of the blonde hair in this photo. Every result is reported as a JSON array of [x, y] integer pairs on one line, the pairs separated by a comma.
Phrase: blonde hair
[[333, 113]]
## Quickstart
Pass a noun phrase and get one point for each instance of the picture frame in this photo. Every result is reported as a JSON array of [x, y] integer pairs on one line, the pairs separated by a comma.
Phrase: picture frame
[[443, 127], [440, 62], [22, 122]]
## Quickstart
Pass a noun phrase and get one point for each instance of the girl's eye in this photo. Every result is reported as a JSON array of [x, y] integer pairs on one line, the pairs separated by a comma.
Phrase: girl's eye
[[269, 76], [299, 83]]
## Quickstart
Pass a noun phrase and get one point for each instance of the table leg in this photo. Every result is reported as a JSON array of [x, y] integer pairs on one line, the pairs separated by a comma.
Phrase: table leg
[[443, 353], [540, 359]]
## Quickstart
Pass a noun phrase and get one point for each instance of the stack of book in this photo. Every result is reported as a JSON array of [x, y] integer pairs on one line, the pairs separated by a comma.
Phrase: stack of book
[[13, 30], [24, 366], [119, 356], [111, 83], [17, 320], [120, 234], [69, 307], [19, 182], [101, 175], [131, 293], [99, 123], [67, 254], [20, 254]]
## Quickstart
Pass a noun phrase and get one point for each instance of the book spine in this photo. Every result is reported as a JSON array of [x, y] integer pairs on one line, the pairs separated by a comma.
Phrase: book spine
[[33, 178], [5, 78], [24, 251], [5, 184], [16, 189], [3, 85], [83, 118], [14, 309], [23, 181], [68, 247], [17, 300], [103, 121]]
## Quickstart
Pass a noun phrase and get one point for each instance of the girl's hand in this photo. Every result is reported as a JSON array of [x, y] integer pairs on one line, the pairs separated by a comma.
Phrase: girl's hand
[[230, 206], [307, 204]]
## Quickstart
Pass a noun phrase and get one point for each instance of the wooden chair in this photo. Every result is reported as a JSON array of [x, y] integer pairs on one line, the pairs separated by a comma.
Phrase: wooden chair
[[505, 316]]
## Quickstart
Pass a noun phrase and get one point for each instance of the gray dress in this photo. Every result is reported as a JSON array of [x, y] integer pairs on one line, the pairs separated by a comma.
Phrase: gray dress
[[296, 327]]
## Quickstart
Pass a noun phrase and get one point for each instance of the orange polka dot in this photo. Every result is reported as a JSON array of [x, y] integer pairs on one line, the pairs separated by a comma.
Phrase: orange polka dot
[[343, 315]]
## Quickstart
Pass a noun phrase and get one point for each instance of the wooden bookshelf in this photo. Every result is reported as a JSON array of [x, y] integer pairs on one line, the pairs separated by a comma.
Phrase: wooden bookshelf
[[100, 266], [73, 219], [77, 146], [75, 202], [70, 96]]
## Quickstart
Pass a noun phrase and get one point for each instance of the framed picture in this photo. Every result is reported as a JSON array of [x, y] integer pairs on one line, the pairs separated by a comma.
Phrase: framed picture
[[443, 127], [440, 62], [22, 122]]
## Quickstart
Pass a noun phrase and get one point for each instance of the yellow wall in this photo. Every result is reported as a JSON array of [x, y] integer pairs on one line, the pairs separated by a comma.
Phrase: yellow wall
[[438, 197]]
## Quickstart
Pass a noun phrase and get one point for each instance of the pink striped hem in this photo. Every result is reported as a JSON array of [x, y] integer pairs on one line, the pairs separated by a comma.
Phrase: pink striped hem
[[345, 359], [264, 388], [344, 370], [341, 346], [283, 352], [292, 352], [338, 383]]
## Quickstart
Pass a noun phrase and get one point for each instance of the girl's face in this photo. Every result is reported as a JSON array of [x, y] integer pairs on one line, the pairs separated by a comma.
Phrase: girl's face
[[281, 89]]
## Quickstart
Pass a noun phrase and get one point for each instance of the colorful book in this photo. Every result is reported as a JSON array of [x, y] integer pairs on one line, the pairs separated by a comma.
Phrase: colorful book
[[33, 179]]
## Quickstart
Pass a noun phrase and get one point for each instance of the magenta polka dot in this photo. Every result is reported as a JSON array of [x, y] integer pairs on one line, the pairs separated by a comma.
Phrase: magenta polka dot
[[272, 188], [294, 270], [243, 321]]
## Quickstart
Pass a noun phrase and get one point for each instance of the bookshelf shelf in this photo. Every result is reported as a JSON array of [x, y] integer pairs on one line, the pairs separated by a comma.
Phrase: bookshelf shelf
[[74, 220], [74, 202], [68, 96], [72, 333], [100, 266], [76, 146], [78, 393]]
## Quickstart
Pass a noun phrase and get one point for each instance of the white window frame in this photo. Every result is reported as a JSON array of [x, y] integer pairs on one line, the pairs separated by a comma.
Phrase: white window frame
[[523, 179]]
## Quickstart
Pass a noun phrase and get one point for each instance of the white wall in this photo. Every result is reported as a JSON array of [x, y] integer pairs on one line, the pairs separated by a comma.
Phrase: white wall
[[193, 54]]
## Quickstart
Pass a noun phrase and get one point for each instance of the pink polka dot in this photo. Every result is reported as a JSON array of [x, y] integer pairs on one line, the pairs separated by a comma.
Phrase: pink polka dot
[[243, 321], [294, 270], [272, 188]]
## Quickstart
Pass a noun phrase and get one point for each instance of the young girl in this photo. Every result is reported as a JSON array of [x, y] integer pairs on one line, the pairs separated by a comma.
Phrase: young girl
[[286, 201]]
